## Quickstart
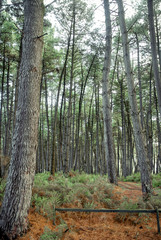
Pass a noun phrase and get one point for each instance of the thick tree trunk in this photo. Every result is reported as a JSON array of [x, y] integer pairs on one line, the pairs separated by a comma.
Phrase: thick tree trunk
[[108, 136], [139, 138], [18, 192]]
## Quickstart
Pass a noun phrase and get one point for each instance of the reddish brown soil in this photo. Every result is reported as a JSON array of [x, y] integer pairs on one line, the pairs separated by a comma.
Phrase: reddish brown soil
[[130, 190], [100, 226]]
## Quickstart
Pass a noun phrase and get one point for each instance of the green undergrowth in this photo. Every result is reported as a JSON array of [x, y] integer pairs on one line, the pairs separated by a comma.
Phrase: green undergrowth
[[131, 178], [154, 199], [80, 190], [75, 190], [133, 218], [156, 179], [54, 235]]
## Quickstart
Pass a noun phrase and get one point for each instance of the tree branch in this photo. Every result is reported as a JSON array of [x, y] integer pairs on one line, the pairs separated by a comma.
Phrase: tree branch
[[50, 4]]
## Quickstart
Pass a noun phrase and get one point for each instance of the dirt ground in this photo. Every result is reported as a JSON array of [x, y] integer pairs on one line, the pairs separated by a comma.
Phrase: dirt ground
[[100, 226]]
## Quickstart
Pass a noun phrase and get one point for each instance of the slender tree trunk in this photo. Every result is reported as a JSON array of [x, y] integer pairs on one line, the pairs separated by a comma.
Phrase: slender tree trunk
[[90, 127], [130, 142], [63, 126], [73, 130], [83, 87], [118, 148], [108, 135], [139, 78], [16, 203], [7, 150], [123, 120], [42, 138], [17, 82], [53, 163], [139, 138], [114, 69], [154, 52], [158, 41], [97, 170], [149, 128], [2, 95], [8, 122], [158, 167], [48, 162], [69, 115], [84, 155]]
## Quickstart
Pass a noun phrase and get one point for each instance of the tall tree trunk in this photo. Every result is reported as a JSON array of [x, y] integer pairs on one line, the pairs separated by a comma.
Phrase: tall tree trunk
[[69, 114], [83, 87], [139, 78], [17, 81], [16, 203], [108, 136], [90, 127], [149, 127], [154, 52], [2, 94], [158, 41], [139, 138], [42, 138], [97, 169], [73, 130], [114, 69], [53, 162], [8, 122], [48, 162], [123, 121], [158, 165]]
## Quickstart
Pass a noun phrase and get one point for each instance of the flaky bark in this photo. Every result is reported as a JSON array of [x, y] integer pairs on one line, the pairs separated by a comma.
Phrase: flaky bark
[[24, 143]]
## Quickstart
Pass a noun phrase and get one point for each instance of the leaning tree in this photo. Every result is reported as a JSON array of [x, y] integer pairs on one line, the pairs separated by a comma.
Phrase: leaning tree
[[16, 203]]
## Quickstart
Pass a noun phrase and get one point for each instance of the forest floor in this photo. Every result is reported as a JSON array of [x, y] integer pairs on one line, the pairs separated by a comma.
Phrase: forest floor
[[99, 226]]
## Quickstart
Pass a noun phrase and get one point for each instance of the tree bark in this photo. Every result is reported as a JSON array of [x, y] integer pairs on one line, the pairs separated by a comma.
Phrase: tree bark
[[140, 83], [139, 138], [48, 162], [69, 111], [16, 203], [108, 136], [2, 94], [154, 52], [158, 167]]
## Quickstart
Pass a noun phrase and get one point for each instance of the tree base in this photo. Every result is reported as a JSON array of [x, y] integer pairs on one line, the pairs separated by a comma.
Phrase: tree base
[[3, 235]]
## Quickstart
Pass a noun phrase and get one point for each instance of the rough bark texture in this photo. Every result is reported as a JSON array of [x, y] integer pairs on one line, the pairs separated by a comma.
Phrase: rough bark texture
[[24, 143], [108, 136], [139, 138]]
